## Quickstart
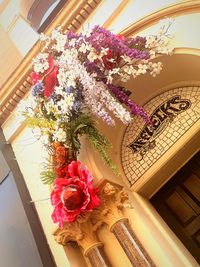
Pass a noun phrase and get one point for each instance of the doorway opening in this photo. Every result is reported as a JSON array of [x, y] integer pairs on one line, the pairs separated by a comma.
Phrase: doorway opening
[[178, 203]]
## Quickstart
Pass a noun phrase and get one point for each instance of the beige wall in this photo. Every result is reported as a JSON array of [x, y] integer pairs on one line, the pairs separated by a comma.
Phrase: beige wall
[[16, 35], [9, 56]]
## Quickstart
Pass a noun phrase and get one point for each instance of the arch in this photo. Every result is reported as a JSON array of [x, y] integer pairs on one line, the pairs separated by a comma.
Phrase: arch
[[174, 113], [172, 11]]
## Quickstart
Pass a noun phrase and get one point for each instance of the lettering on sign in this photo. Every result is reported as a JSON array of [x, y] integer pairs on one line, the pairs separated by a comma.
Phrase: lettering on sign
[[161, 118]]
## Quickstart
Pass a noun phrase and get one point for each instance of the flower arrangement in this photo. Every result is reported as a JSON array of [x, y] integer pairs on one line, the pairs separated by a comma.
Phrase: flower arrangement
[[76, 77]]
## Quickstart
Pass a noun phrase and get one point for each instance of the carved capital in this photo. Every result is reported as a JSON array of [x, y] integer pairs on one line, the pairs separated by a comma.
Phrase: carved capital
[[83, 231], [113, 196]]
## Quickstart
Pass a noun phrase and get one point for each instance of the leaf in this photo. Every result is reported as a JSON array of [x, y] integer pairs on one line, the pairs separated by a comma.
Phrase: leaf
[[47, 177], [79, 127]]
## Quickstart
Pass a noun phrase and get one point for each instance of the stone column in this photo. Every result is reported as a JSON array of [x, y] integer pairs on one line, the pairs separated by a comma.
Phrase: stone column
[[97, 256], [83, 231], [113, 197], [130, 244]]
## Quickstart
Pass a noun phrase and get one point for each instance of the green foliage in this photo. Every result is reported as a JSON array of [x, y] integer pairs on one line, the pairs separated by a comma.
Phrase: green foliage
[[84, 125], [80, 125], [101, 144], [39, 122], [47, 177]]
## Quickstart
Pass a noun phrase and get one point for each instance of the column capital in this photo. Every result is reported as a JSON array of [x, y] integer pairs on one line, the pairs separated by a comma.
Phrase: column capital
[[111, 210], [83, 231]]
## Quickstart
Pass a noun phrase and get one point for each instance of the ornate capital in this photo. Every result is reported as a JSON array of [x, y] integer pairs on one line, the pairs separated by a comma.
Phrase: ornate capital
[[113, 196], [83, 231]]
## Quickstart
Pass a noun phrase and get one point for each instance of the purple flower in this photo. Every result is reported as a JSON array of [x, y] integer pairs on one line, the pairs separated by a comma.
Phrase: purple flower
[[124, 99], [78, 98], [134, 47], [38, 88]]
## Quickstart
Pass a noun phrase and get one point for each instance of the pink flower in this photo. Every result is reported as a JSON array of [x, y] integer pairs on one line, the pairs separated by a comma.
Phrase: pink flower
[[120, 37], [73, 194]]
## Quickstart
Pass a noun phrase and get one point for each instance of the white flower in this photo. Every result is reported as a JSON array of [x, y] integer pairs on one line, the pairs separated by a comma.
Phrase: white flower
[[55, 34], [155, 68], [92, 56], [142, 69], [127, 59], [59, 90], [84, 48], [50, 107], [60, 135], [160, 44], [65, 105], [60, 39], [151, 41], [128, 69], [41, 63], [45, 38], [67, 77], [111, 73], [103, 52], [72, 42], [27, 107], [87, 32], [124, 77]]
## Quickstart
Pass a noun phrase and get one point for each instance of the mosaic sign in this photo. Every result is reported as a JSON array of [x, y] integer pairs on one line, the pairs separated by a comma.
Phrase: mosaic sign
[[172, 113], [160, 118]]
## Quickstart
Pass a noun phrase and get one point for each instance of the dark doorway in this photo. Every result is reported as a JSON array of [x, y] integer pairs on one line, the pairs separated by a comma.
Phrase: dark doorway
[[178, 202]]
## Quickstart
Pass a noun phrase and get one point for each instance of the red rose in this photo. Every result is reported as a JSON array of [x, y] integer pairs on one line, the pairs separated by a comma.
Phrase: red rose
[[50, 78], [73, 194], [111, 60]]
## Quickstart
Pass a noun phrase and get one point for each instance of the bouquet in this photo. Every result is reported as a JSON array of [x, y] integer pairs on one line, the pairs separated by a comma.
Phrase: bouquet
[[75, 79]]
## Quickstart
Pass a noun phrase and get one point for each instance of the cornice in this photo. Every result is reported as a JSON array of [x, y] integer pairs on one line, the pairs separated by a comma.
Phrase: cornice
[[188, 7], [71, 17]]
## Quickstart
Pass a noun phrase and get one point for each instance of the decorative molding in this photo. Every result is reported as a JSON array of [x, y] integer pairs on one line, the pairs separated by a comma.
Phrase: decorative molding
[[172, 11], [83, 231], [117, 11], [71, 17], [113, 197]]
